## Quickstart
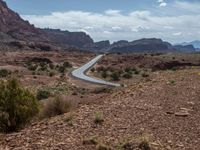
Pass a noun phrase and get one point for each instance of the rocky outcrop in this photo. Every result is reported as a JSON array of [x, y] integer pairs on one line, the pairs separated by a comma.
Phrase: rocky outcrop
[[186, 48], [101, 46], [78, 39], [13, 27], [142, 45]]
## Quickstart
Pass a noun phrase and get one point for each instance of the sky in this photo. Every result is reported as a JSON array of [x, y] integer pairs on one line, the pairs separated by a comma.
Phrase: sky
[[175, 21]]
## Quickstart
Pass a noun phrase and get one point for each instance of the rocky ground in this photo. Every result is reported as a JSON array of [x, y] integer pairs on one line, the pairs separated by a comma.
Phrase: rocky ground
[[164, 109]]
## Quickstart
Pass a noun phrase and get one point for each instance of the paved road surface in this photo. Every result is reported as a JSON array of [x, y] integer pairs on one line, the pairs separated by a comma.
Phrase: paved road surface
[[80, 73]]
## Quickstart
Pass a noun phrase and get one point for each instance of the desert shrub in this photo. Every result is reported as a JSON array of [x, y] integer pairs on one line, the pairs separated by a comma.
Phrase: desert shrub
[[102, 90], [136, 71], [51, 74], [98, 118], [56, 106], [145, 75], [127, 75], [144, 144], [127, 69], [101, 68], [61, 69], [4, 73], [93, 69], [104, 74], [32, 67], [42, 94], [51, 66], [17, 106], [115, 76], [43, 66], [33, 73], [101, 146], [67, 64]]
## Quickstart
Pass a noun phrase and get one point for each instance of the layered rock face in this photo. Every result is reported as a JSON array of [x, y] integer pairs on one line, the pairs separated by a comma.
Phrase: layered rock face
[[12, 26], [78, 39], [142, 45]]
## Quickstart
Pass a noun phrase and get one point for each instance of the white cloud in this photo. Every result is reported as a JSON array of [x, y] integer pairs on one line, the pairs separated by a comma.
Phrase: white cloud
[[163, 4], [115, 25], [116, 28], [112, 12], [177, 33]]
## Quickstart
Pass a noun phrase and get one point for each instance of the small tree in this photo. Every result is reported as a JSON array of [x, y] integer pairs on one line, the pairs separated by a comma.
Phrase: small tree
[[17, 106]]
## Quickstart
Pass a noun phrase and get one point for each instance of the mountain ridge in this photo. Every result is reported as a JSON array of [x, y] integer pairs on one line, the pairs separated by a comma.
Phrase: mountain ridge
[[23, 34]]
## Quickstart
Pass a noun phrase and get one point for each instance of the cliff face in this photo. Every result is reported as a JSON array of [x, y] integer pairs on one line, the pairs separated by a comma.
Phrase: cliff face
[[142, 45], [12, 26], [78, 39]]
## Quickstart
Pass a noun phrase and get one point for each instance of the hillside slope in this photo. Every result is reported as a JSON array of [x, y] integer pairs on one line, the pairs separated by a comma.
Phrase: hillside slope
[[166, 112]]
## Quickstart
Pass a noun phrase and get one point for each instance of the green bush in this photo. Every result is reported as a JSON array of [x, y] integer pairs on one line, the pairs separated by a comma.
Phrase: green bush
[[115, 76], [42, 94], [127, 75], [17, 106], [127, 70], [93, 69], [61, 69], [104, 74], [67, 65], [51, 74], [32, 67], [145, 75], [4, 73], [51, 66]]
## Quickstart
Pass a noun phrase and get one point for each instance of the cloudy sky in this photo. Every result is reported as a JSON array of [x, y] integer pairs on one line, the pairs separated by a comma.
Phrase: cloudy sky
[[172, 20]]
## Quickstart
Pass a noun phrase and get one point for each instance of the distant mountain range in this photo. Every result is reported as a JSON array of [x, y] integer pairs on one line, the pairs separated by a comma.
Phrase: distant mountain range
[[16, 32], [195, 43]]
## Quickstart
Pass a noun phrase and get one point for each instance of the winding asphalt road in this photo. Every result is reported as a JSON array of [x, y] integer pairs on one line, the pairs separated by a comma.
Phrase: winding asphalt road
[[80, 73]]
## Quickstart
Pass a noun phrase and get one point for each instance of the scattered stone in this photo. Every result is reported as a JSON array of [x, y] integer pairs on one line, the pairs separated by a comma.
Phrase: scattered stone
[[182, 114]]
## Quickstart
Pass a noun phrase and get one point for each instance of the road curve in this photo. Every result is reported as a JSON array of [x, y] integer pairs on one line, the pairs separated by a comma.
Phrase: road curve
[[80, 73]]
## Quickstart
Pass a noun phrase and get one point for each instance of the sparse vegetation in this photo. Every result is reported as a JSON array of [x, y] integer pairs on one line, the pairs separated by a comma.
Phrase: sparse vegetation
[[127, 75], [42, 94], [90, 141], [93, 70], [17, 106], [4, 73], [56, 106], [172, 82], [144, 144], [115, 76], [98, 118], [61, 69], [52, 73], [104, 74], [101, 146], [145, 75], [66, 64]]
